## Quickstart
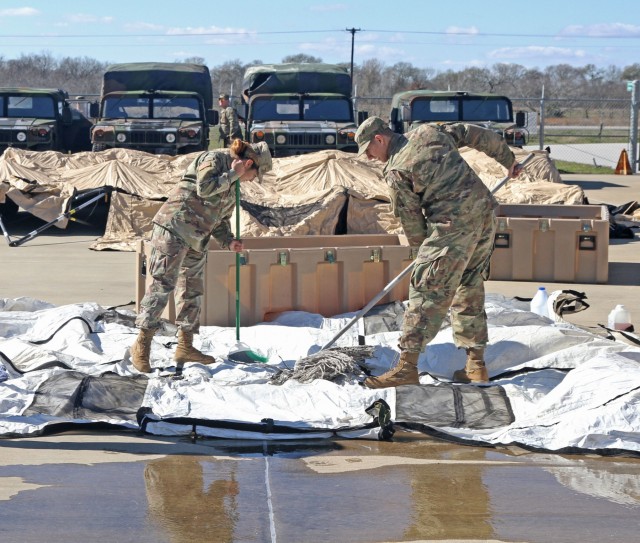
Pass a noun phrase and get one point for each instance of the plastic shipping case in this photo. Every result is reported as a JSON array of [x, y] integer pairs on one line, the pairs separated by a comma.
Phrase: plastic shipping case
[[328, 275], [553, 243]]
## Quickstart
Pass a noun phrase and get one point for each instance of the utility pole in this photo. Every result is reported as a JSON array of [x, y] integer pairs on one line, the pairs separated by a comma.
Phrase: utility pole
[[353, 37]]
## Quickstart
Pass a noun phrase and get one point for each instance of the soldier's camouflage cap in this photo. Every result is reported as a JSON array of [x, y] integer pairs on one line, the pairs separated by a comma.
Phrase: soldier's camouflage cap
[[262, 158], [223, 96], [366, 131]]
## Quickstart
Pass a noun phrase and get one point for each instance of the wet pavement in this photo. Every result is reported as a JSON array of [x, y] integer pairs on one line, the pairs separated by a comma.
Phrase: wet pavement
[[120, 487], [107, 485]]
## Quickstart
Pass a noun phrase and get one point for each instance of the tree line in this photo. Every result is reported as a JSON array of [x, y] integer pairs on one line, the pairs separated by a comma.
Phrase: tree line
[[372, 78]]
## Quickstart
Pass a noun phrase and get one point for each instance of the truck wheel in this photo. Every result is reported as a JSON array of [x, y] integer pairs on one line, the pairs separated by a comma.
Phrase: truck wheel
[[97, 147]]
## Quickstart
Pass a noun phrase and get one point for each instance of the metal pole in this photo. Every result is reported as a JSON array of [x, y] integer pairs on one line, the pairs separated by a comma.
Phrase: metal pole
[[353, 38], [541, 123], [633, 132]]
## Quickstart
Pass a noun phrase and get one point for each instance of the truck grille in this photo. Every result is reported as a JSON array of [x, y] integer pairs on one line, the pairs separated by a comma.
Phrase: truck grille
[[138, 137], [313, 140]]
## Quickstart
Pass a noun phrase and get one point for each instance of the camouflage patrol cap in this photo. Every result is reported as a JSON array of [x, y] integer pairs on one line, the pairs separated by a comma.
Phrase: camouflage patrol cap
[[223, 96], [366, 131], [261, 158]]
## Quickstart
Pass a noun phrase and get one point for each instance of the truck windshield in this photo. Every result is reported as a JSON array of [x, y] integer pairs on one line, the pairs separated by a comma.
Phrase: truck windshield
[[41, 107], [466, 109], [176, 108], [314, 109], [328, 109], [127, 107]]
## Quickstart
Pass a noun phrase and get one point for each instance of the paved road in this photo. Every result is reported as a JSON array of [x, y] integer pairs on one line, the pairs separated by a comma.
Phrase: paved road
[[595, 154]]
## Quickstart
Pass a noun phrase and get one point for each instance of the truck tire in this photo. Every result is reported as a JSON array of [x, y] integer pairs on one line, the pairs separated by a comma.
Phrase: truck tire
[[97, 147]]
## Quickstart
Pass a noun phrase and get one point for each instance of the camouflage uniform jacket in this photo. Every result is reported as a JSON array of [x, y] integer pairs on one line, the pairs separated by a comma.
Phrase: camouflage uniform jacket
[[201, 204], [229, 124], [430, 182]]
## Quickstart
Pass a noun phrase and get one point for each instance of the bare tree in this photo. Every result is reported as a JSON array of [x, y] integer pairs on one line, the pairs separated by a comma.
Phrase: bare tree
[[301, 58]]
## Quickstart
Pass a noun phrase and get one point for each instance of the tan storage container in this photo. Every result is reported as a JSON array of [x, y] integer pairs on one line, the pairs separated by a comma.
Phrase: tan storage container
[[328, 275], [554, 243]]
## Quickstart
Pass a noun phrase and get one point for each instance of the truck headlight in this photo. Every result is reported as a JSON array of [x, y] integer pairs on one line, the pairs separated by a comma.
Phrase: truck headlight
[[121, 137], [281, 139], [330, 139], [170, 138], [21, 136]]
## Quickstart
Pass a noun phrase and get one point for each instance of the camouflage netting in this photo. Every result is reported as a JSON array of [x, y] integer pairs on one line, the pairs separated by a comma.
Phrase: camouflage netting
[[323, 193]]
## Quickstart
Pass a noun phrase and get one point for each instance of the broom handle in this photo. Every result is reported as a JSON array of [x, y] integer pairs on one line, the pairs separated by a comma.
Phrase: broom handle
[[237, 261], [373, 302], [400, 276]]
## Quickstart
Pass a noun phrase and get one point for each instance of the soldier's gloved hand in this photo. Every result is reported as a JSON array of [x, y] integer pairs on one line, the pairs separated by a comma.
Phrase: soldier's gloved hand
[[515, 169]]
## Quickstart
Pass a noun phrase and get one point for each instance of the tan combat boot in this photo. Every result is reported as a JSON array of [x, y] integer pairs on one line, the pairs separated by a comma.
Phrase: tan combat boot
[[404, 373], [141, 350], [186, 352], [475, 370]]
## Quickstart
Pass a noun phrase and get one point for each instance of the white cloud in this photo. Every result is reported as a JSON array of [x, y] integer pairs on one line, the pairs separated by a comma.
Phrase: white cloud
[[144, 26], [457, 30], [85, 18], [18, 12], [603, 30], [198, 31], [536, 51], [328, 7]]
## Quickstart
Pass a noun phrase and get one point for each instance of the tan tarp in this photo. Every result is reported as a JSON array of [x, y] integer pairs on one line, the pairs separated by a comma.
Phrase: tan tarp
[[328, 192]]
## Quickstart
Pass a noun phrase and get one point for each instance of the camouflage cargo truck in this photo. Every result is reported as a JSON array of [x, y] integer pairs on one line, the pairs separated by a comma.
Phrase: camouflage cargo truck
[[299, 108], [411, 108], [41, 120], [161, 108]]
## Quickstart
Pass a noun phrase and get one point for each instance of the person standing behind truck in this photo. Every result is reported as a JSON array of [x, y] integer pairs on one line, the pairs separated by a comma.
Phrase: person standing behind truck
[[199, 207], [229, 122], [447, 211]]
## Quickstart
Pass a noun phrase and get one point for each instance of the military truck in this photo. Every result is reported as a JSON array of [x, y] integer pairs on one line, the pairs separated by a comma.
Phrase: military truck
[[41, 120], [414, 107], [158, 107], [299, 108]]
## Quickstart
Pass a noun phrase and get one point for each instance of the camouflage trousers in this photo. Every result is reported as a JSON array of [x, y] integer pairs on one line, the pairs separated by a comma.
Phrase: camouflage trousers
[[175, 269], [450, 269]]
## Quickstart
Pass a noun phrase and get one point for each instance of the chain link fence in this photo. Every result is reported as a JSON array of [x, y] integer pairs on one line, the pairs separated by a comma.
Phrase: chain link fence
[[587, 131]]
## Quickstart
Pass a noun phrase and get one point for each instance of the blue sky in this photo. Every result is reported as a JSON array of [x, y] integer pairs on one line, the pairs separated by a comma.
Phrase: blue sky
[[428, 34]]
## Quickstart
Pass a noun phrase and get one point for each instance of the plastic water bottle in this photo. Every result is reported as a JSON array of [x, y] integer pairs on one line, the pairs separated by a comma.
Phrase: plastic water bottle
[[619, 318], [539, 303]]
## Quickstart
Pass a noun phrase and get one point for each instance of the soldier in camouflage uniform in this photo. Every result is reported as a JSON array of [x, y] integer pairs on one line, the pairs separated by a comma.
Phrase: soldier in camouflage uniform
[[199, 207], [229, 122], [447, 212]]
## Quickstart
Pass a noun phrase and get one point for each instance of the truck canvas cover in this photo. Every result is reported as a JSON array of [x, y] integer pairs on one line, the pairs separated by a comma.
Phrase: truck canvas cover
[[157, 76], [296, 78]]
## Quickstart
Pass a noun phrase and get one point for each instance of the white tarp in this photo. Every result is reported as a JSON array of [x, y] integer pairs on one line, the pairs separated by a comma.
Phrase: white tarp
[[567, 388]]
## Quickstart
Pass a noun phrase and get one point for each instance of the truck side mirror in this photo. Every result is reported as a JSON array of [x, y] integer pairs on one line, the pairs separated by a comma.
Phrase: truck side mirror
[[94, 110], [362, 116], [67, 117], [520, 119], [213, 116], [406, 113]]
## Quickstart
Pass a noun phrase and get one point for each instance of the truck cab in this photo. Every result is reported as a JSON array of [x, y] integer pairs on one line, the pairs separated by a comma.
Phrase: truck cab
[[41, 120], [299, 108], [160, 108], [412, 108]]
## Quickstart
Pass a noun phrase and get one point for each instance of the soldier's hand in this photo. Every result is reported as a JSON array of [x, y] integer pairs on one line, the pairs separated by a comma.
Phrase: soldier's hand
[[236, 246], [239, 166], [515, 169]]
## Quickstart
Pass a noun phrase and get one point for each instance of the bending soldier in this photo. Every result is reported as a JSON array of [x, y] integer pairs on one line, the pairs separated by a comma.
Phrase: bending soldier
[[447, 211]]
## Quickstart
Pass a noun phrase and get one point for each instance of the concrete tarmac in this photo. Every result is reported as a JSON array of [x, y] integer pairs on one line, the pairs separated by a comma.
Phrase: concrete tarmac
[[106, 485]]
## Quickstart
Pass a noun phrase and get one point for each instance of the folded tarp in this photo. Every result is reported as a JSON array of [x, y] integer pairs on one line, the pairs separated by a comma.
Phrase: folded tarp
[[554, 386]]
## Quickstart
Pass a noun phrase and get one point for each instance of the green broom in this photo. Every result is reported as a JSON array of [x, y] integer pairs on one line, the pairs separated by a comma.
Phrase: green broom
[[241, 352]]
